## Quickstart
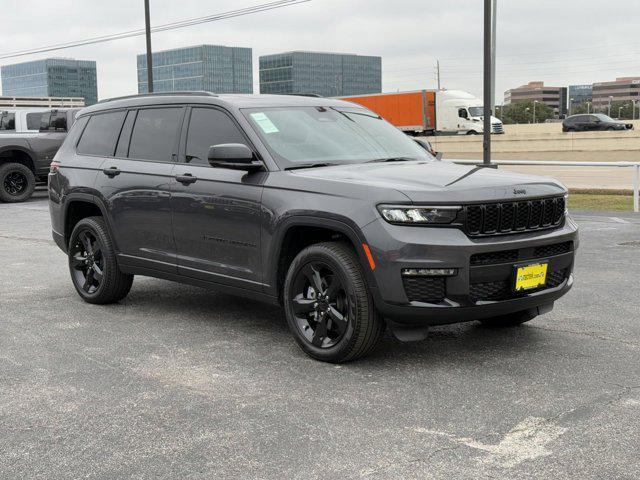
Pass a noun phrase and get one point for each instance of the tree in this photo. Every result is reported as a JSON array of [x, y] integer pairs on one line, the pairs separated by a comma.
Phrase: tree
[[522, 112]]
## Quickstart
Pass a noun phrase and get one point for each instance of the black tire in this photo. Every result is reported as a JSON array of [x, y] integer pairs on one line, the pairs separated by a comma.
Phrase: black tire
[[343, 324], [509, 320], [472, 132], [92, 264], [17, 182]]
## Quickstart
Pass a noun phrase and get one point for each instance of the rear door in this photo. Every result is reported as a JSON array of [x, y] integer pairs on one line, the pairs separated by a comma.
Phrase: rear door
[[216, 212], [136, 184]]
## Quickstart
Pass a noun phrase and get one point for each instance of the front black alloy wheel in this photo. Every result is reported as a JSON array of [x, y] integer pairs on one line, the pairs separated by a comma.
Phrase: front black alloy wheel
[[321, 307], [92, 263], [329, 309]]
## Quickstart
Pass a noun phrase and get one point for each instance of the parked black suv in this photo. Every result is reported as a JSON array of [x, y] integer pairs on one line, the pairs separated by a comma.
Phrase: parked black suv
[[313, 203], [594, 121]]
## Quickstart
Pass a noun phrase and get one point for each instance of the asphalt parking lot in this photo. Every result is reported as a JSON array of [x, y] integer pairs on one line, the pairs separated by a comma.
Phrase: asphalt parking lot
[[179, 382]]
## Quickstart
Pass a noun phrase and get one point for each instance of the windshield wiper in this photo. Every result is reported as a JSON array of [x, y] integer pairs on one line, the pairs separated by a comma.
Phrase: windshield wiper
[[309, 165], [392, 159]]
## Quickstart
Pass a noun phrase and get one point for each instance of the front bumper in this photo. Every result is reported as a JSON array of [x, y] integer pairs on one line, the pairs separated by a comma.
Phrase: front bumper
[[481, 287]]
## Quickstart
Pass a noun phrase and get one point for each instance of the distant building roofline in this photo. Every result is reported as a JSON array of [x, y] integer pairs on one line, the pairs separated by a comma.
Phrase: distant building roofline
[[193, 46], [321, 53]]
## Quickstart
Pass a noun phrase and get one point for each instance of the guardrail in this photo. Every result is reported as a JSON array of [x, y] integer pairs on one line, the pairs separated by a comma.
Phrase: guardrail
[[634, 165]]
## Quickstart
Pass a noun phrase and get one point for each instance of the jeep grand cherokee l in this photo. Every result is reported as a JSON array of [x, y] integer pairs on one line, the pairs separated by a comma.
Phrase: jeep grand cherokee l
[[317, 204]]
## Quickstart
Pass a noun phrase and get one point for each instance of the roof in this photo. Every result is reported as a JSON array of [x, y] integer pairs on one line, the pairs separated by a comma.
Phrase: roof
[[228, 100]]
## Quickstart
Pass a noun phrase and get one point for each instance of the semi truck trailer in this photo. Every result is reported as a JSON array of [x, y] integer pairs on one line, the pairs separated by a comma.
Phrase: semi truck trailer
[[430, 112]]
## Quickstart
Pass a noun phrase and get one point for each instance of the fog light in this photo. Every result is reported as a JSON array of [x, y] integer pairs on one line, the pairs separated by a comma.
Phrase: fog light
[[429, 272]]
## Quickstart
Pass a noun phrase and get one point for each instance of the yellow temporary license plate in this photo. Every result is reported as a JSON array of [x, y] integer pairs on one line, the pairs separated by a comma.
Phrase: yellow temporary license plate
[[531, 276]]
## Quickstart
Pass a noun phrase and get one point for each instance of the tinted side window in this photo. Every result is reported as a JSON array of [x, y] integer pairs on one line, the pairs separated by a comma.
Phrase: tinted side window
[[33, 120], [154, 134], [208, 127], [100, 135]]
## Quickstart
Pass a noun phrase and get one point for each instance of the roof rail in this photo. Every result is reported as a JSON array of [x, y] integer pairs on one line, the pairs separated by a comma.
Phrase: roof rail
[[160, 94], [314, 95]]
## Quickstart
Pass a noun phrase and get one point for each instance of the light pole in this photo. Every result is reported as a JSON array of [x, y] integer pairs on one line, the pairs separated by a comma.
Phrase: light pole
[[610, 98], [570, 105], [487, 84], [147, 26], [588, 108], [534, 110], [527, 110], [619, 110]]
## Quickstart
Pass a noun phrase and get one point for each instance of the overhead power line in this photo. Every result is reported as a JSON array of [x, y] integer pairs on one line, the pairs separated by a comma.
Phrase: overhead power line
[[160, 28]]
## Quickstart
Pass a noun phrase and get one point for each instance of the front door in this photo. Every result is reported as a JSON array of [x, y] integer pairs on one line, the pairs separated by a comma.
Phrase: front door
[[216, 211], [136, 183]]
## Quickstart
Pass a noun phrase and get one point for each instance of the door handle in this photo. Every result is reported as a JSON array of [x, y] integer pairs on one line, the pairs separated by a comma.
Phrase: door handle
[[111, 172], [186, 179]]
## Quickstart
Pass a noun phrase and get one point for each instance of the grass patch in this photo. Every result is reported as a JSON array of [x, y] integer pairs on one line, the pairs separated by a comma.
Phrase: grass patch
[[587, 201]]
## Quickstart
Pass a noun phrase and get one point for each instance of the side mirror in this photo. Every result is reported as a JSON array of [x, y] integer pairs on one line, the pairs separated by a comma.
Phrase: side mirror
[[428, 147], [234, 156]]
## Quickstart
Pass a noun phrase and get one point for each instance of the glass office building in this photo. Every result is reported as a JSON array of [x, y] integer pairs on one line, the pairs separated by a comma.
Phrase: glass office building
[[580, 94], [210, 68], [52, 77], [326, 74]]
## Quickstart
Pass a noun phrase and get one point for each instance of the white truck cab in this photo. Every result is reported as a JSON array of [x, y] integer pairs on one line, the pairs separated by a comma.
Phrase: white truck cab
[[459, 112]]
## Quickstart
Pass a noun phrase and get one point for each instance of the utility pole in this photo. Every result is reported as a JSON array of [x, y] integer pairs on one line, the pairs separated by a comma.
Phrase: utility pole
[[147, 25], [610, 98], [494, 8], [487, 86], [438, 72], [534, 110]]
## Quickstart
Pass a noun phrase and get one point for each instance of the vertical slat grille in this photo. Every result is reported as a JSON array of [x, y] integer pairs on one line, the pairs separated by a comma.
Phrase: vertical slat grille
[[536, 214], [494, 218], [507, 217], [491, 218], [548, 210], [522, 215]]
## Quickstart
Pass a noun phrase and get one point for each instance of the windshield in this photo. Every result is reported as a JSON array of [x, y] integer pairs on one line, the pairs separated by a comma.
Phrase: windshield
[[309, 135], [476, 111]]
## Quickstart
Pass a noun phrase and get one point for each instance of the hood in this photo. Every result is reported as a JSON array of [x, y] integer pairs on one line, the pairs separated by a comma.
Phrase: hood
[[440, 182]]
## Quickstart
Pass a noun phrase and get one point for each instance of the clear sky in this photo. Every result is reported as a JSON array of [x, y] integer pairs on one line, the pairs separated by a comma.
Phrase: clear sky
[[558, 41]]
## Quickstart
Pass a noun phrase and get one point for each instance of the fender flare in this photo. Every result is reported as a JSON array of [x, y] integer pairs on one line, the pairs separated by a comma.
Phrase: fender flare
[[342, 225], [20, 148], [86, 198]]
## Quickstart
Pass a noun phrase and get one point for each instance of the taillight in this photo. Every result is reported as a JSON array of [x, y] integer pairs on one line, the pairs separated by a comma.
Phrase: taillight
[[53, 167]]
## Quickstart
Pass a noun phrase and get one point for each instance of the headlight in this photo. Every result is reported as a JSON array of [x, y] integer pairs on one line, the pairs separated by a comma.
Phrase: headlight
[[418, 215]]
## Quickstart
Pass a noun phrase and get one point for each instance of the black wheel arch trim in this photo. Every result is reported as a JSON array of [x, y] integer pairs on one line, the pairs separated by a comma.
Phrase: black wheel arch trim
[[341, 225], [86, 198], [25, 150]]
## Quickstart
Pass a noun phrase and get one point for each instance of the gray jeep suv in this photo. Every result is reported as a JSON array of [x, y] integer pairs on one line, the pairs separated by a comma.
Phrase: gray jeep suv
[[316, 204]]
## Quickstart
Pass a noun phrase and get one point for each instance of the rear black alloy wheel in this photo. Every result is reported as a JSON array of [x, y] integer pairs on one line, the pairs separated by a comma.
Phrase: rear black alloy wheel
[[16, 182], [329, 309], [92, 263], [87, 261], [321, 307]]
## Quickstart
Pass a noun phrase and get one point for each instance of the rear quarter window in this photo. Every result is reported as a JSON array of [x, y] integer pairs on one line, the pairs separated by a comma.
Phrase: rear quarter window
[[101, 133]]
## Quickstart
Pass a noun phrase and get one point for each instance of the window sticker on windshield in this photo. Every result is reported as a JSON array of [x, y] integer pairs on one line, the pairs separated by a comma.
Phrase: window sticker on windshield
[[264, 122]]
